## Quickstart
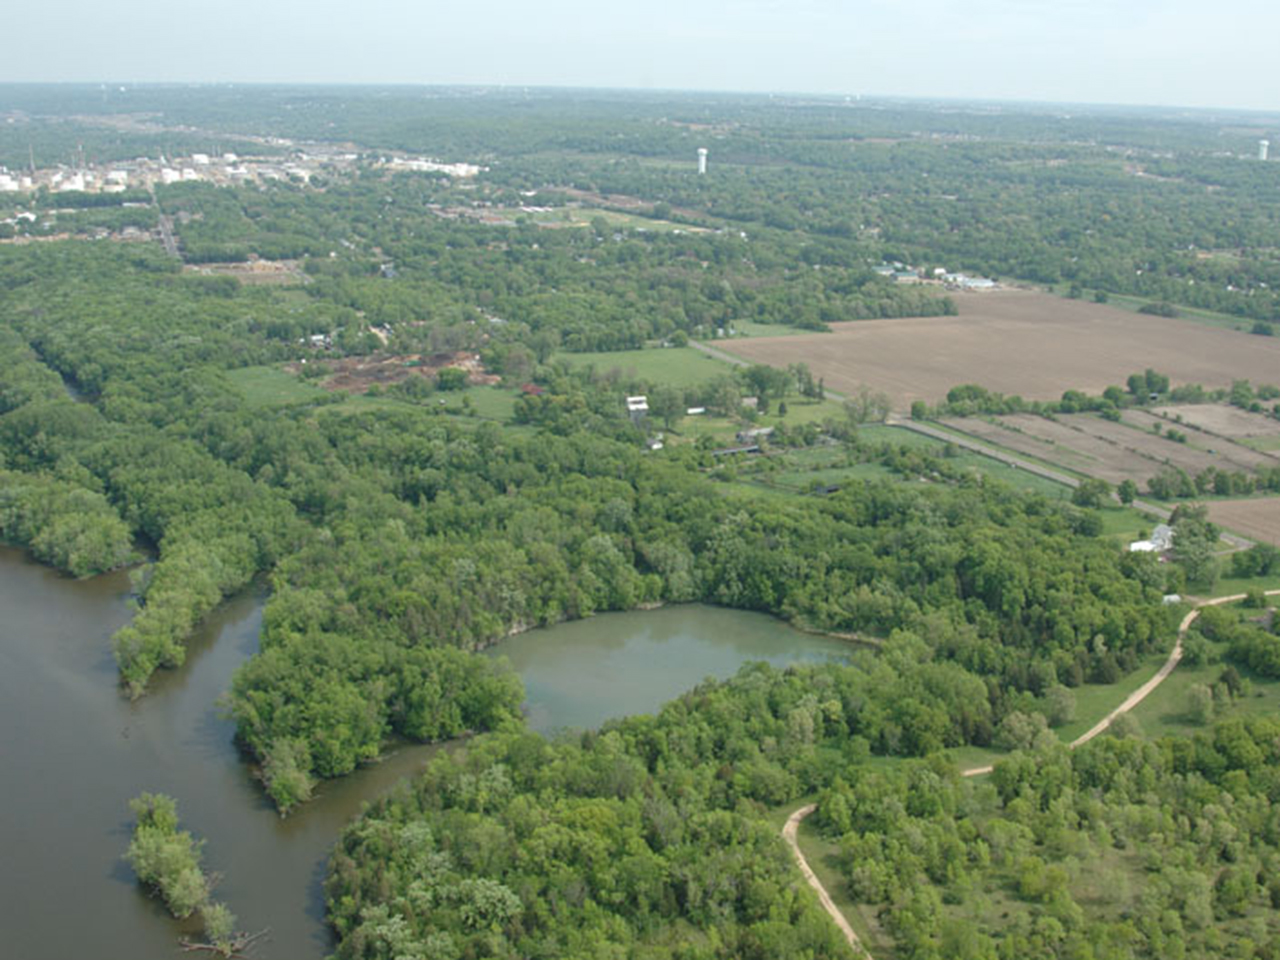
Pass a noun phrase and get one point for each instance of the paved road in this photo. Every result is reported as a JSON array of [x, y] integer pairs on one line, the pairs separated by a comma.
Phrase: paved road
[[166, 237], [718, 354], [789, 834]]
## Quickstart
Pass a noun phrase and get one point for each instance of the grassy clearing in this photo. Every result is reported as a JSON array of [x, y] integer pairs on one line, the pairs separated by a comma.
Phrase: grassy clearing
[[799, 481], [1093, 702], [1208, 318], [750, 328], [801, 411], [271, 386], [1165, 711], [1019, 479], [1125, 523], [670, 366], [1261, 444], [487, 403], [1227, 586], [724, 430]]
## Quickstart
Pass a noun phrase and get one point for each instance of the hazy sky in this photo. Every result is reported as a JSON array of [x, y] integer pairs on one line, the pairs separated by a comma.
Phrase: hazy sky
[[1104, 51]]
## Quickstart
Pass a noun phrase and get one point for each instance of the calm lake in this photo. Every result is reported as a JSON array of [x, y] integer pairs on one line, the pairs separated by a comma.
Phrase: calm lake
[[73, 751]]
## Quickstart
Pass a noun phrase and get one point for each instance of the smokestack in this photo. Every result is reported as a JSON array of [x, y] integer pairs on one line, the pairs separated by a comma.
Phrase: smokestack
[[702, 160]]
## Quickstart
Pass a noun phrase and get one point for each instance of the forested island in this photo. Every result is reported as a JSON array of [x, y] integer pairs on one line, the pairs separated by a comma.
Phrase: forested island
[[442, 373]]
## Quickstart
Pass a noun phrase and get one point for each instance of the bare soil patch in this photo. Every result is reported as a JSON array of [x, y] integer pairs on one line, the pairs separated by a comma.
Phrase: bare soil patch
[[1224, 420], [1259, 519], [1018, 342], [358, 374], [252, 271]]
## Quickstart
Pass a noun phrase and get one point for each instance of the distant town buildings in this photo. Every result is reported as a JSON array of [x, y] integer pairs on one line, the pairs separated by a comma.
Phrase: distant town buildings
[[423, 165], [224, 169]]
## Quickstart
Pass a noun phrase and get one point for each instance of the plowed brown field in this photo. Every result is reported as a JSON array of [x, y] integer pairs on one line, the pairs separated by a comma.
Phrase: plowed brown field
[[1018, 342], [1259, 519]]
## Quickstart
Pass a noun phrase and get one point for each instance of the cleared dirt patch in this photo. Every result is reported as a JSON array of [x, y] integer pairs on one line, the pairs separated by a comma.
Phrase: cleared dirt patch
[[1223, 420], [1259, 519], [358, 374], [1112, 451], [252, 271], [1018, 342]]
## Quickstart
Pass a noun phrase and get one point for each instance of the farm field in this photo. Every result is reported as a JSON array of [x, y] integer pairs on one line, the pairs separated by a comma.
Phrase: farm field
[[1258, 518], [1222, 419], [1018, 342], [1233, 455], [1111, 451]]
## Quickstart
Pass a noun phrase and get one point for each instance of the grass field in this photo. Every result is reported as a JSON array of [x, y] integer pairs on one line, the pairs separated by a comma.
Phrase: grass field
[[1165, 711], [670, 366], [1126, 524], [1208, 318], [749, 328], [1018, 342], [271, 386]]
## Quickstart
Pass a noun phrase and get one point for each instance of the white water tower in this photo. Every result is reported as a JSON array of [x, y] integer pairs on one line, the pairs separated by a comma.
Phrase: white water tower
[[702, 160], [1263, 147]]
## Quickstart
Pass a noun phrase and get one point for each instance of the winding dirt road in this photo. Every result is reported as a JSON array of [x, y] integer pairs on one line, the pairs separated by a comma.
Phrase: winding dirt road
[[792, 827], [789, 832]]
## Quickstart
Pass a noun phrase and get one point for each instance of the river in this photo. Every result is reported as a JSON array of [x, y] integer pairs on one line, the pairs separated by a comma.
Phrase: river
[[73, 751]]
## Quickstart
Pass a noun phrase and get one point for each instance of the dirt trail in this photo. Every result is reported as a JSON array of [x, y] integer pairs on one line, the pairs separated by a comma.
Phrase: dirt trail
[[789, 834], [792, 827], [1145, 690]]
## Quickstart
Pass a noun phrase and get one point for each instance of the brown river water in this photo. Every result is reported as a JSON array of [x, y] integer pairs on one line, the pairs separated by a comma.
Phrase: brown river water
[[73, 751]]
